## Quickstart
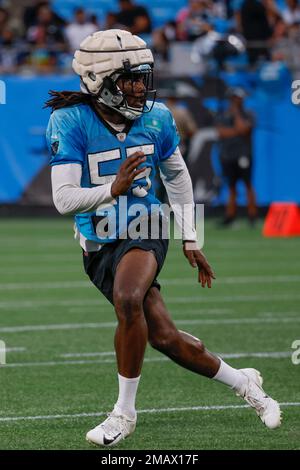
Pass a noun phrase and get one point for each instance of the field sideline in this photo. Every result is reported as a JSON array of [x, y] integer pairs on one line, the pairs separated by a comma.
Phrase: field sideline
[[60, 377]]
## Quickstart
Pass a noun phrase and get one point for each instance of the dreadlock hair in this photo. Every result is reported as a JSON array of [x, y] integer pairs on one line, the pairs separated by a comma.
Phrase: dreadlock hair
[[62, 99]]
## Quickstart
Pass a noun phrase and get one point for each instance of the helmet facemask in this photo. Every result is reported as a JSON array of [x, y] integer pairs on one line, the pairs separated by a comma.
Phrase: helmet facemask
[[118, 99], [107, 57]]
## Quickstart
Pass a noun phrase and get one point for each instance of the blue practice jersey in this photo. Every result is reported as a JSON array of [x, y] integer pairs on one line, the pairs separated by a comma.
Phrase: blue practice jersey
[[77, 134]]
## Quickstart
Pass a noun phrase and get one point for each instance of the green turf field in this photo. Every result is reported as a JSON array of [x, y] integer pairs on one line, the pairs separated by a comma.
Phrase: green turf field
[[60, 376]]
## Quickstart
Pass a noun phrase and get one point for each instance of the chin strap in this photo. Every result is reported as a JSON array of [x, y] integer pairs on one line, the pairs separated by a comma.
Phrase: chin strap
[[127, 112]]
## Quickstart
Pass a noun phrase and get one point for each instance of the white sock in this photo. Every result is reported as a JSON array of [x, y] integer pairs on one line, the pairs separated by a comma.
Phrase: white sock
[[230, 376], [127, 393]]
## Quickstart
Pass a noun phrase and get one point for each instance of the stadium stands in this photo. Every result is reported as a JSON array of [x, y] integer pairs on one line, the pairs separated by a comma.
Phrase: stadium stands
[[161, 12]]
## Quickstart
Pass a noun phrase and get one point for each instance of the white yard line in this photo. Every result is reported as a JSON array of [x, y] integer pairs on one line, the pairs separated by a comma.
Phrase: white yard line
[[147, 411], [60, 257], [196, 311], [273, 355], [70, 363], [45, 285], [63, 326], [16, 349], [171, 300], [88, 354], [76, 326], [239, 280], [164, 282], [263, 355]]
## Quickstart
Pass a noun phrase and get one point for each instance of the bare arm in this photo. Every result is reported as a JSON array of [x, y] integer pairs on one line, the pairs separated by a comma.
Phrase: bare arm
[[242, 127]]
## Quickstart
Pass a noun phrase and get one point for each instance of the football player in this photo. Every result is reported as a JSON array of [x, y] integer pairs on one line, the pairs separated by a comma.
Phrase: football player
[[107, 142]]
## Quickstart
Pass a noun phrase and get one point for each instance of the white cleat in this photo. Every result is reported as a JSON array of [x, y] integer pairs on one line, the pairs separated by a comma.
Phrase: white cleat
[[267, 409], [115, 428]]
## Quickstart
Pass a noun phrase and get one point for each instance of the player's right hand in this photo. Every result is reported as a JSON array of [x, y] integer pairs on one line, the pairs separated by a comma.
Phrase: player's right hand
[[126, 174]]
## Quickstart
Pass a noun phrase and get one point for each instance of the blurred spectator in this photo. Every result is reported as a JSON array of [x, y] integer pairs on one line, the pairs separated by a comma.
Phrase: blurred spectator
[[31, 14], [253, 22], [8, 53], [186, 124], [234, 127], [161, 39], [276, 22], [48, 40], [272, 11], [94, 21], [291, 13], [133, 17], [79, 29], [218, 8], [4, 16], [7, 23], [45, 30], [111, 21], [193, 21]]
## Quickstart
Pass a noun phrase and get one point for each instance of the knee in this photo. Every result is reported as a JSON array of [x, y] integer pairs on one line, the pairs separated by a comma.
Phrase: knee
[[128, 304], [165, 341]]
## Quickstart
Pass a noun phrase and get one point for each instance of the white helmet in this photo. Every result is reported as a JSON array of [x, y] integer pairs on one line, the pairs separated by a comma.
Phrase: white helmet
[[106, 55]]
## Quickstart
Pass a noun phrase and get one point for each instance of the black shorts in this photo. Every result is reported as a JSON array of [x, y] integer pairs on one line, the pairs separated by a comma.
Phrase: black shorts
[[101, 265], [235, 170]]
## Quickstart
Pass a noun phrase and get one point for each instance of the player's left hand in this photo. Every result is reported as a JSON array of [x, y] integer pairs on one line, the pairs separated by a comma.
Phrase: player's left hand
[[197, 258]]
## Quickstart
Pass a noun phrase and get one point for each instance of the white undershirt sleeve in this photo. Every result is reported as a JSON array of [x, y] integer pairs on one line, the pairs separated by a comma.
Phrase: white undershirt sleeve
[[178, 184], [70, 198]]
